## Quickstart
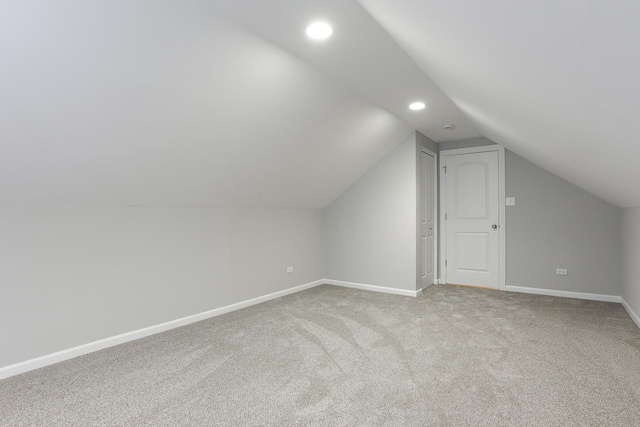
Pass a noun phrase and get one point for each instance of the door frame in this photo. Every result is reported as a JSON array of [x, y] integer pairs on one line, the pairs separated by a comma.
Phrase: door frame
[[436, 218], [501, 209]]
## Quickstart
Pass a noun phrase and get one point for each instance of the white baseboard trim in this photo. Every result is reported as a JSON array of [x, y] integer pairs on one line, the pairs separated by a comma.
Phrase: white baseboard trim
[[632, 313], [565, 294], [60, 356], [373, 288]]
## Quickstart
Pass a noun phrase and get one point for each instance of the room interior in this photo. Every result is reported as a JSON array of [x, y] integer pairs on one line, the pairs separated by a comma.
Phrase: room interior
[[213, 212]]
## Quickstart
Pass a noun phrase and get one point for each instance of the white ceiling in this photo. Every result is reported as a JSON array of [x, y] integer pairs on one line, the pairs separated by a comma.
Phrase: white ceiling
[[227, 103], [162, 103], [360, 54], [555, 81]]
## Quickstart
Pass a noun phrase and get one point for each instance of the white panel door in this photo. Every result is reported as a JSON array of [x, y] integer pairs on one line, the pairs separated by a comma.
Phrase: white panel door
[[427, 219], [472, 219]]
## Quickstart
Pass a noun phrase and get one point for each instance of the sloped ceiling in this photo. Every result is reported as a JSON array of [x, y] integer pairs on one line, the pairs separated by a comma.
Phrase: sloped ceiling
[[167, 103], [227, 103], [360, 54], [555, 81]]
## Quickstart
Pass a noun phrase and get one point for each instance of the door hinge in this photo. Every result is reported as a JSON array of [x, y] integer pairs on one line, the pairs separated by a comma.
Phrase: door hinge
[[445, 216], [445, 262], [445, 169]]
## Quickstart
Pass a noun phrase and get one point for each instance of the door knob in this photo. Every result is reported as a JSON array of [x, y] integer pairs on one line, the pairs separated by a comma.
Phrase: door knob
[[494, 226]]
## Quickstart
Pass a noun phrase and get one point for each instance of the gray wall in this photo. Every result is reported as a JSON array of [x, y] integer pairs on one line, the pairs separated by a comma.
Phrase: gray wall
[[370, 230], [426, 142], [556, 224], [465, 143], [631, 258], [70, 276]]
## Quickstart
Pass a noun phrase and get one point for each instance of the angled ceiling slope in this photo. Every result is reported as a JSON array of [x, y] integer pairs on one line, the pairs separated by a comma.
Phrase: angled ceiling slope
[[360, 54], [555, 81], [164, 103]]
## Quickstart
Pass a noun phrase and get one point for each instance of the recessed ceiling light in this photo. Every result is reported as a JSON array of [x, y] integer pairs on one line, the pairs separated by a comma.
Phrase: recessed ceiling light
[[319, 30], [417, 106]]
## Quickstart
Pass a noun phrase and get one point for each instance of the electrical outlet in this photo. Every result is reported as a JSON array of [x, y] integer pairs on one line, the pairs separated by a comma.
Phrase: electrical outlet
[[511, 201], [561, 271], [290, 269]]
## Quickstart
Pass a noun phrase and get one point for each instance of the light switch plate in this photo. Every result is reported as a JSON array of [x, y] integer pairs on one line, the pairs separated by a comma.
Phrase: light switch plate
[[511, 201]]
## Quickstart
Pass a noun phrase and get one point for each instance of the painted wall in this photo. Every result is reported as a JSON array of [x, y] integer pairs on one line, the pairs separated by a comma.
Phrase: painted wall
[[426, 142], [72, 275], [558, 225], [465, 143], [631, 258], [370, 230]]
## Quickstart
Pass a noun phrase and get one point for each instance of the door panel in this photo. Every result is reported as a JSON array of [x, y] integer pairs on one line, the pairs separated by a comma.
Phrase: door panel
[[472, 210], [471, 181], [472, 251], [427, 219]]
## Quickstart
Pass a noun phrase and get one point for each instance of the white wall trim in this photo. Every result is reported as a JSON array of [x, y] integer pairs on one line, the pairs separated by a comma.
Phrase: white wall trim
[[565, 294], [60, 356], [632, 313], [374, 288]]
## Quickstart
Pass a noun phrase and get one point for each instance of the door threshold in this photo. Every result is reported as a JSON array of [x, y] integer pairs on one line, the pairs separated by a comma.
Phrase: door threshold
[[473, 286]]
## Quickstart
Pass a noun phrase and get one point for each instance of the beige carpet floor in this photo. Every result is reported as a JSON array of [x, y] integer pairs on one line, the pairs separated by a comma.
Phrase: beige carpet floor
[[342, 357]]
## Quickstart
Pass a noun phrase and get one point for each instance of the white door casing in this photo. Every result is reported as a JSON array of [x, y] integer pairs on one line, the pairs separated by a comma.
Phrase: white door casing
[[472, 182], [428, 219]]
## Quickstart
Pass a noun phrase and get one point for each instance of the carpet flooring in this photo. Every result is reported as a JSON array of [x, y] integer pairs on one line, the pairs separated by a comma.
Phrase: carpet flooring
[[342, 357]]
